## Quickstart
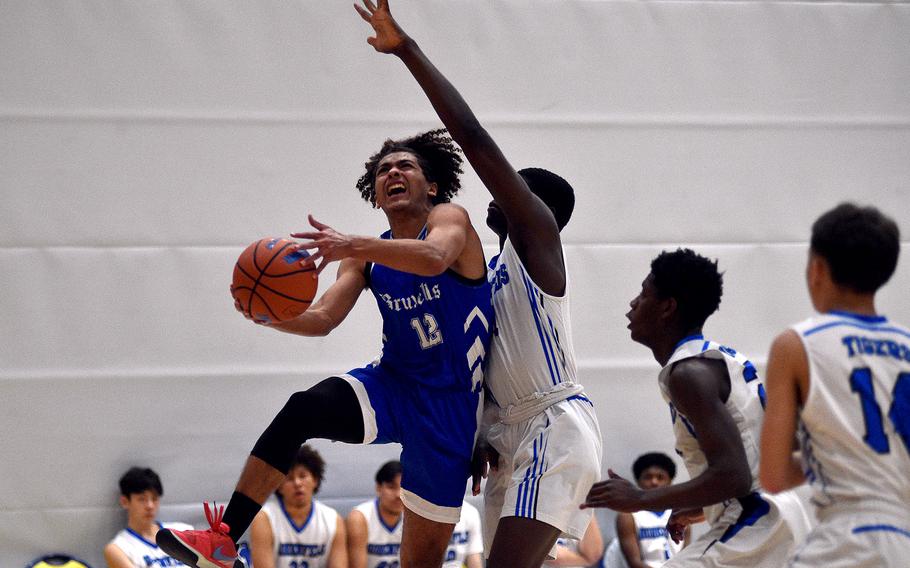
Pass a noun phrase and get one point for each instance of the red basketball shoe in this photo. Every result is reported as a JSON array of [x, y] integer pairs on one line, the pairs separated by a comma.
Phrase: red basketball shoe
[[202, 549]]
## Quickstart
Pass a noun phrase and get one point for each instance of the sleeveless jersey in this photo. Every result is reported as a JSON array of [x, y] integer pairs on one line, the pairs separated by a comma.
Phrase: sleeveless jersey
[[855, 425], [383, 541], [746, 405], [531, 350], [304, 546], [653, 540], [435, 329], [145, 554], [467, 538]]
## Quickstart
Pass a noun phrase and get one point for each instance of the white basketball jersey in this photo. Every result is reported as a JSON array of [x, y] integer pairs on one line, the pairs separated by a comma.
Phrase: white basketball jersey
[[654, 542], [467, 538], [383, 541], [306, 545], [746, 405], [145, 554], [531, 350], [855, 425]]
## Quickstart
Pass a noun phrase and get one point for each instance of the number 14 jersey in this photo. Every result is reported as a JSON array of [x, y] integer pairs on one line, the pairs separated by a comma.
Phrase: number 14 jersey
[[855, 424]]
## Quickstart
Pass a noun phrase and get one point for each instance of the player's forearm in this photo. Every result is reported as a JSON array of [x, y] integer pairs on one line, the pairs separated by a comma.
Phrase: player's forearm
[[407, 255], [780, 477], [315, 322], [714, 485]]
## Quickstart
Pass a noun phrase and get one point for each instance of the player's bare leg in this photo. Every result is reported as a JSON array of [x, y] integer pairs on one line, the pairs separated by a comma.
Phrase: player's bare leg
[[521, 543], [423, 542], [258, 480]]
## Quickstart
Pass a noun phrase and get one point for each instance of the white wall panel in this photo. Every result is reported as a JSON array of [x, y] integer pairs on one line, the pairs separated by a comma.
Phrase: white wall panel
[[143, 145], [183, 183]]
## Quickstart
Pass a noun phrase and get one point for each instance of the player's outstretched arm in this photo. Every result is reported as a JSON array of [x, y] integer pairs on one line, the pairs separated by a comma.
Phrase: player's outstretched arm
[[448, 231], [333, 306], [696, 387], [786, 377], [531, 225]]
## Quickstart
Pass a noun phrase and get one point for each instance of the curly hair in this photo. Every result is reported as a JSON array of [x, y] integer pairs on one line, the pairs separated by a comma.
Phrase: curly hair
[[437, 155], [860, 244], [692, 280], [652, 459], [312, 461]]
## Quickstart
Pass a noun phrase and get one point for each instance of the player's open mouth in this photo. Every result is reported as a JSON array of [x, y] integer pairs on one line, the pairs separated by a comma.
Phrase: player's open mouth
[[395, 189]]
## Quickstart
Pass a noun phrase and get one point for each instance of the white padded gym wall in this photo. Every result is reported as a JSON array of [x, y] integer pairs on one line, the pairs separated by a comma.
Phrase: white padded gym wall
[[144, 144]]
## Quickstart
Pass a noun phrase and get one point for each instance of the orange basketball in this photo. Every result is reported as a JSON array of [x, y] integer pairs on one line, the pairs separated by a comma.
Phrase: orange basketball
[[269, 282]]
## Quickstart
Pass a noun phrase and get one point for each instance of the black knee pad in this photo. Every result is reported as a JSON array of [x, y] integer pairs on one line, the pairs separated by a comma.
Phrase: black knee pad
[[328, 410]]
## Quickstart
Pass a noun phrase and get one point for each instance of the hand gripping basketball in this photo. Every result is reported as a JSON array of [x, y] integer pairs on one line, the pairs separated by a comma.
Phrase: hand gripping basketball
[[270, 285]]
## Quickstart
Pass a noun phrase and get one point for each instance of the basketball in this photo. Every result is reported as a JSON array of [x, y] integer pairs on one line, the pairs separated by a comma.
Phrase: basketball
[[269, 283]]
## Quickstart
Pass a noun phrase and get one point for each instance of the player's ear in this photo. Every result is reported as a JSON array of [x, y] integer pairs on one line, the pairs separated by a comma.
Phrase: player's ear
[[817, 270], [433, 189], [124, 501]]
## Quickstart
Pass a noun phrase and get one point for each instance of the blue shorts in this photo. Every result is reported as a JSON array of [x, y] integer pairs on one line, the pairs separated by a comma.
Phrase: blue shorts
[[436, 429]]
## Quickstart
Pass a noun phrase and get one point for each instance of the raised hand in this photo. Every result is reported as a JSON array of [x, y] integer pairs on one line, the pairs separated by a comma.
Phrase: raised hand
[[615, 493], [389, 36], [329, 244]]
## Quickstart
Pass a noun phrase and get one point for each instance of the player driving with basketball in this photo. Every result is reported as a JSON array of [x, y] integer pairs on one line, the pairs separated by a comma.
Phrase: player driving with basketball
[[543, 438], [428, 275]]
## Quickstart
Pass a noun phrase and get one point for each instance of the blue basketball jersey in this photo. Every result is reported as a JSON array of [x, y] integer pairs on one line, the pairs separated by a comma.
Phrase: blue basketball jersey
[[436, 329]]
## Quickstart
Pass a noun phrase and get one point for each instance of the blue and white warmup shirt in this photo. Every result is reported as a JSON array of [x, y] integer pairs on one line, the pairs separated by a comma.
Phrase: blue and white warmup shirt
[[855, 425], [307, 545], [531, 351], [145, 554]]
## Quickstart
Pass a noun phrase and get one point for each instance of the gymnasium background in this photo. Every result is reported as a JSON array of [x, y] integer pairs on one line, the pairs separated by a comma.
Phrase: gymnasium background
[[144, 144]]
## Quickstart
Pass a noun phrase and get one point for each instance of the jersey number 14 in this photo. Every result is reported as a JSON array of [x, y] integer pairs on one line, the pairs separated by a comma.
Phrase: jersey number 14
[[898, 413]]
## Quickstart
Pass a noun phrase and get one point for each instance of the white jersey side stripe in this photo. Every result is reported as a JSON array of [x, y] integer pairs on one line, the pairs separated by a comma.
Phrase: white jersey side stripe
[[541, 332], [562, 355]]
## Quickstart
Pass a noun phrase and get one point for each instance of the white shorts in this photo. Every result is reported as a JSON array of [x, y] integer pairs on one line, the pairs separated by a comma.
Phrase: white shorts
[[547, 465], [756, 531], [864, 540]]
